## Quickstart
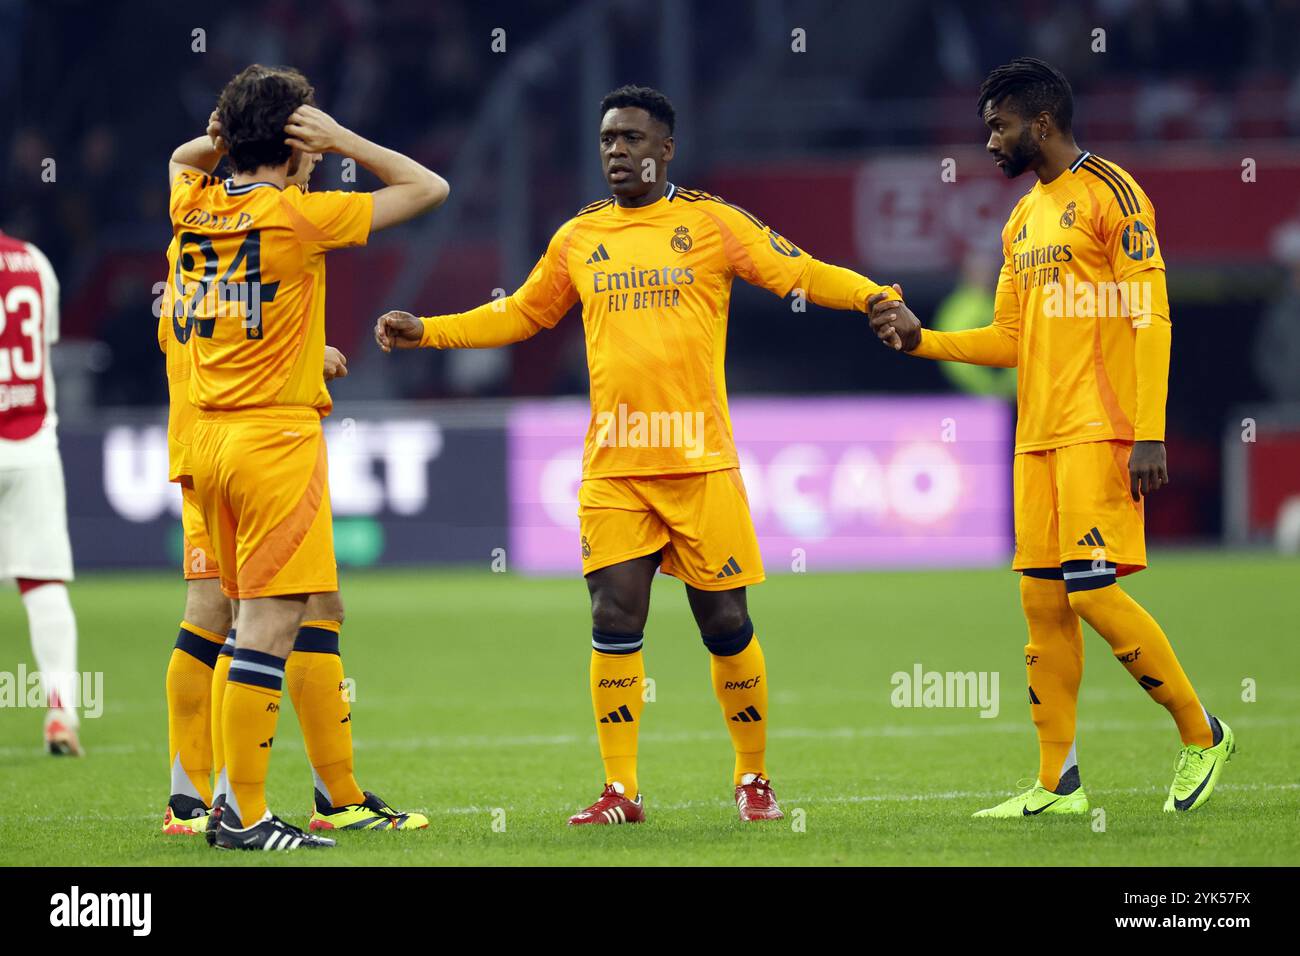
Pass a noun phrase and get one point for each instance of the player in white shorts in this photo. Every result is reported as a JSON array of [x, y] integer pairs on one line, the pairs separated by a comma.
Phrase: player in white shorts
[[34, 547]]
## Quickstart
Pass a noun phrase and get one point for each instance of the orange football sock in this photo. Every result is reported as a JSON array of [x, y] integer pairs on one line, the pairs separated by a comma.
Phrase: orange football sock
[[248, 720], [189, 711], [616, 699], [1141, 646], [740, 684], [1054, 669], [314, 678], [220, 674]]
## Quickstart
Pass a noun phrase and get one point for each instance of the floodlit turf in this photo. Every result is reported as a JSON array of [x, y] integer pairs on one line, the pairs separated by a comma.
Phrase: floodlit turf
[[471, 705]]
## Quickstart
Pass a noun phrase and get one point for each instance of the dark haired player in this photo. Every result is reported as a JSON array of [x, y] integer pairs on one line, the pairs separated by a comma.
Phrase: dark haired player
[[200, 661], [653, 265], [1082, 310], [256, 454]]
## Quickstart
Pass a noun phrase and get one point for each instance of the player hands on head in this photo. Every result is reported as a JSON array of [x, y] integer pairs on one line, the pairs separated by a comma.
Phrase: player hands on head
[[1090, 434], [247, 378], [651, 256]]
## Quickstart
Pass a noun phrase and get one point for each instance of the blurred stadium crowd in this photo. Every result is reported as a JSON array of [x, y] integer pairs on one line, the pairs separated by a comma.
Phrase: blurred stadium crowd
[[415, 74]]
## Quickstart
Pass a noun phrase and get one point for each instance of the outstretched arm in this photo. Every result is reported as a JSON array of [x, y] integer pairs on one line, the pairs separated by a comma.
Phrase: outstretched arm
[[997, 344], [538, 304], [485, 327], [838, 288], [409, 188], [770, 261]]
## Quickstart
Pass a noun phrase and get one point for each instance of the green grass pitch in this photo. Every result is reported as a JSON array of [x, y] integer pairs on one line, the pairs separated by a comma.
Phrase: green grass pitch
[[471, 705]]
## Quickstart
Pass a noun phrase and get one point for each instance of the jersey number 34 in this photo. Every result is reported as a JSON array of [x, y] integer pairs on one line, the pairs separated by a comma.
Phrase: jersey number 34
[[205, 298]]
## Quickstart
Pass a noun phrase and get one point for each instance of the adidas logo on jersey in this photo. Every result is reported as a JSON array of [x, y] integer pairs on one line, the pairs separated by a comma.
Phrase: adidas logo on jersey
[[600, 255], [729, 569], [1022, 235]]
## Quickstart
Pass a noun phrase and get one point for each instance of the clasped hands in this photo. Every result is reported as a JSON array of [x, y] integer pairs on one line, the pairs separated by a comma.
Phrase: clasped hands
[[893, 322]]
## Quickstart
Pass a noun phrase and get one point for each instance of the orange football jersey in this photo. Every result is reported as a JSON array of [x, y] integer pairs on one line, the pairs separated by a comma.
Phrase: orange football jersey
[[247, 277], [1081, 309], [655, 286]]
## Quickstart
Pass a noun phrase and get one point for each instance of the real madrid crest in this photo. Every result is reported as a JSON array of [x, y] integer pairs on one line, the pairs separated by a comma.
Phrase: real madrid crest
[[1067, 217], [681, 240]]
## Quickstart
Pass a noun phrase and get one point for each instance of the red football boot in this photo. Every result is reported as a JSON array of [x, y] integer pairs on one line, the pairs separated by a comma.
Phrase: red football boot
[[612, 807], [60, 736], [755, 799]]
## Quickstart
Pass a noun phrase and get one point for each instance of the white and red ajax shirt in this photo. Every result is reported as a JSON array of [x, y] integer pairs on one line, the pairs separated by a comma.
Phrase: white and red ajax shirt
[[29, 324]]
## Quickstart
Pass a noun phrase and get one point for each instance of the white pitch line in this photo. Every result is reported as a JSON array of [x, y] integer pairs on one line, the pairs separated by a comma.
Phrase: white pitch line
[[975, 725]]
